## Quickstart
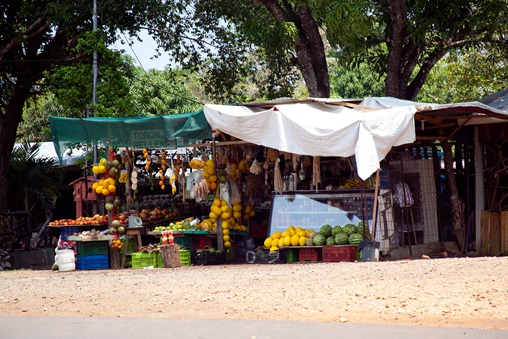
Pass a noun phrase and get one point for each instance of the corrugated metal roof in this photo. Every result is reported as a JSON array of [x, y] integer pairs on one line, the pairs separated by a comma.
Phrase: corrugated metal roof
[[497, 100]]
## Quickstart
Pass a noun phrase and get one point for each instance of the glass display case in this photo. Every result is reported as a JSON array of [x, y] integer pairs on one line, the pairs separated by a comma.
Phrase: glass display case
[[311, 210]]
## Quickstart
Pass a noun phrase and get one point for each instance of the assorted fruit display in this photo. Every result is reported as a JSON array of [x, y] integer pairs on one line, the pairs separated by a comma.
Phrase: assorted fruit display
[[95, 220], [349, 234], [226, 185]]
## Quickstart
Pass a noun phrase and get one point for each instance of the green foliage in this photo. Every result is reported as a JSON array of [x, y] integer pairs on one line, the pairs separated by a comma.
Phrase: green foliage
[[240, 50], [163, 92], [71, 83], [468, 75], [35, 125], [35, 180], [405, 42], [37, 37], [355, 82]]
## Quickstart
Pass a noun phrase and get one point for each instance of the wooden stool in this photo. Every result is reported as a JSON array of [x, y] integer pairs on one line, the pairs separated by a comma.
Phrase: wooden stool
[[134, 233]]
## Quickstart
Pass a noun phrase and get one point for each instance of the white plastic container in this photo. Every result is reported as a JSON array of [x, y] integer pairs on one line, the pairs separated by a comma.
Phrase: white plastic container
[[370, 251], [65, 260]]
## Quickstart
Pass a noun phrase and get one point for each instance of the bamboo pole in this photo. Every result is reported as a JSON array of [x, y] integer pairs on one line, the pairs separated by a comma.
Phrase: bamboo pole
[[374, 210]]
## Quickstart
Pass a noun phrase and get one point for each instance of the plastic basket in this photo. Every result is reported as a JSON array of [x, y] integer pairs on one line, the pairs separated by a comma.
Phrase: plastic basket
[[92, 262], [290, 255], [184, 242], [339, 253], [308, 254], [158, 259], [208, 258], [132, 245], [92, 248], [185, 257], [201, 241], [141, 260]]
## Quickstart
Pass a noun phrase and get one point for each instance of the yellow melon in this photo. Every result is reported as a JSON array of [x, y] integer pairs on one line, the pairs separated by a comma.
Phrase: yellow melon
[[276, 235], [302, 241], [287, 240]]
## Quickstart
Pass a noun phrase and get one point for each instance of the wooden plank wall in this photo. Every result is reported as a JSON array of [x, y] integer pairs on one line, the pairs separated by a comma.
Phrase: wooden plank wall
[[494, 234]]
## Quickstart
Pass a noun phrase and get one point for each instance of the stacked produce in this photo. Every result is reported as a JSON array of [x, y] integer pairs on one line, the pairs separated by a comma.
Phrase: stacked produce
[[209, 174], [95, 220], [197, 164], [116, 244], [181, 225], [292, 236], [370, 183], [341, 235], [231, 216], [327, 236]]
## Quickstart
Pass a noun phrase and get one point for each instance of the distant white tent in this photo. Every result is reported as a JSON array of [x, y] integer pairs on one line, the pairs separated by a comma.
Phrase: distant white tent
[[47, 150]]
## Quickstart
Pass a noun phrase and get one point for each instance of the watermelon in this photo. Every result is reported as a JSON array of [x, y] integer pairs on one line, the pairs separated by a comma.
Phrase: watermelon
[[330, 241], [336, 230], [326, 230], [341, 238], [349, 229], [363, 227], [355, 238], [319, 240]]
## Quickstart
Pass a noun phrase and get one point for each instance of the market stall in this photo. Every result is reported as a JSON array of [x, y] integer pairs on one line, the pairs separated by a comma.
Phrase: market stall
[[305, 173], [335, 129], [140, 173]]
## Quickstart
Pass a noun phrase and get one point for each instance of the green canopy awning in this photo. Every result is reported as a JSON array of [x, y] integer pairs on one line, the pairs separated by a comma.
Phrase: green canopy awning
[[169, 131]]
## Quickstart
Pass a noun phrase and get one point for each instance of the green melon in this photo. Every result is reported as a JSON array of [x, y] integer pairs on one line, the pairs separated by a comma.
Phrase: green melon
[[342, 239], [349, 229], [330, 241], [319, 240], [363, 227], [326, 230], [336, 230], [355, 238]]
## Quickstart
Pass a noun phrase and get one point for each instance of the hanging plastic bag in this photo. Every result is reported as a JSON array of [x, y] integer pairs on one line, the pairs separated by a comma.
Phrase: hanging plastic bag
[[403, 196], [224, 192], [235, 194]]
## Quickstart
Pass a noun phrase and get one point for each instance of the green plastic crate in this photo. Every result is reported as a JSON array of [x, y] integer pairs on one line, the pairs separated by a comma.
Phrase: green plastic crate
[[92, 248], [290, 255], [141, 260], [133, 246], [185, 257]]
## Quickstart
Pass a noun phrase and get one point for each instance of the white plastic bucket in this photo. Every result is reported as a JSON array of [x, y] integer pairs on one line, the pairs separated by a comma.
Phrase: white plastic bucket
[[65, 260]]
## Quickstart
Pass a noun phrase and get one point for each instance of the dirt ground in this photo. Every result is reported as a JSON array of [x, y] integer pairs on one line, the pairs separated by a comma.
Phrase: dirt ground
[[451, 292]]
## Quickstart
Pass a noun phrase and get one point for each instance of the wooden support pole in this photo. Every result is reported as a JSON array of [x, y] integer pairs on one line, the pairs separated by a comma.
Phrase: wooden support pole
[[374, 209]]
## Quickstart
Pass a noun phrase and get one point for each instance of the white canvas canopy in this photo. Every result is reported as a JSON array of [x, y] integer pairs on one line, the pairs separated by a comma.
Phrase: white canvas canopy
[[320, 128]]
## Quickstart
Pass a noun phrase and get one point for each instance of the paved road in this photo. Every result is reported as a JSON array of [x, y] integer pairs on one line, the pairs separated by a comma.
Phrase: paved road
[[143, 328]]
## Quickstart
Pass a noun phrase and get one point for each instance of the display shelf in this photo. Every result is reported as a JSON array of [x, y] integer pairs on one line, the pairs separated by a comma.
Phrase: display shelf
[[311, 210], [89, 239]]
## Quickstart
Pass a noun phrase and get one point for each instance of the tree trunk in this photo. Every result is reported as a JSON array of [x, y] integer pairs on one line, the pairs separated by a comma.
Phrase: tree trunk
[[454, 194], [393, 83], [310, 51], [9, 122]]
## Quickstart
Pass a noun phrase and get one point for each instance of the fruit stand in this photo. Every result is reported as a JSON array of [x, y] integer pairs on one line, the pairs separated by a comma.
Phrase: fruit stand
[[208, 188], [310, 137]]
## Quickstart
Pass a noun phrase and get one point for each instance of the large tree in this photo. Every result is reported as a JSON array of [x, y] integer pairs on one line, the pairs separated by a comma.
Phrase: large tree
[[37, 36], [401, 39]]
